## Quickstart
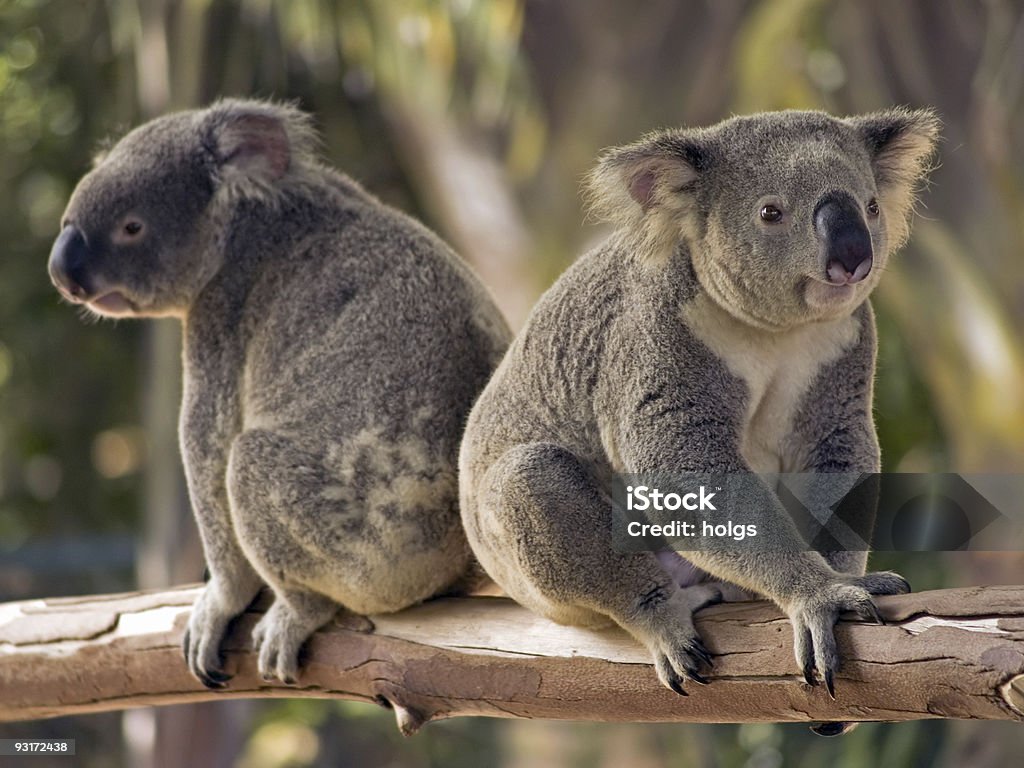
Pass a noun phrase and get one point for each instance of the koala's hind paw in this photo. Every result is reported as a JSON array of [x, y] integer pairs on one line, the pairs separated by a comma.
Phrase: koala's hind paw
[[284, 629], [678, 650], [814, 619], [278, 645], [883, 583], [680, 660]]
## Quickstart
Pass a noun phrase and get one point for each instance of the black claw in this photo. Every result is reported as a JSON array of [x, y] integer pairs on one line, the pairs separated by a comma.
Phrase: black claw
[[702, 656], [809, 677], [210, 683], [218, 675], [906, 584], [830, 684], [212, 678], [868, 612], [289, 680], [830, 729], [697, 677], [675, 686]]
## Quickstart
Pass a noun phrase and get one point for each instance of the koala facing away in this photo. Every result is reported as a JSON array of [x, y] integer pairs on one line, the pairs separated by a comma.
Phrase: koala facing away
[[332, 350], [724, 327]]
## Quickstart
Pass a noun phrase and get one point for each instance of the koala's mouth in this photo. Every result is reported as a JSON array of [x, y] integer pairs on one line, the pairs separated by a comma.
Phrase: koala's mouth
[[820, 294], [112, 303]]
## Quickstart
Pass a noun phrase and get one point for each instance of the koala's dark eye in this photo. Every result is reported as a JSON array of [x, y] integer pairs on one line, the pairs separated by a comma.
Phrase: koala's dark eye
[[128, 231], [771, 214], [873, 209]]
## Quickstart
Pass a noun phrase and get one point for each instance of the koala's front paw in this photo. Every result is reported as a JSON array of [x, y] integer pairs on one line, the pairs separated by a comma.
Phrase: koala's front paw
[[814, 618], [206, 629]]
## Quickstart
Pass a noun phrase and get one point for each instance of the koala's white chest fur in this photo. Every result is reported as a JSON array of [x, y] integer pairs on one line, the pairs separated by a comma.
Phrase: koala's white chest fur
[[778, 368]]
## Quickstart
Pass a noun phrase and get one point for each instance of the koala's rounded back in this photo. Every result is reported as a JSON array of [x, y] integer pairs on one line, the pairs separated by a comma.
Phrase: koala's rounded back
[[333, 349]]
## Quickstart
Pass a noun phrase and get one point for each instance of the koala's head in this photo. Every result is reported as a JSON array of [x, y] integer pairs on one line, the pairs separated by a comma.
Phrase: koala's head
[[789, 217], [143, 231]]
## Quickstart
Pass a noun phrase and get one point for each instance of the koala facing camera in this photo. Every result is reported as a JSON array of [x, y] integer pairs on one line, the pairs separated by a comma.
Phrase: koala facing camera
[[724, 327]]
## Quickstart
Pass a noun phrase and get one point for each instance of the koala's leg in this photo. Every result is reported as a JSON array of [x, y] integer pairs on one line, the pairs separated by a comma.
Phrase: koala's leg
[[541, 526], [233, 582], [272, 484]]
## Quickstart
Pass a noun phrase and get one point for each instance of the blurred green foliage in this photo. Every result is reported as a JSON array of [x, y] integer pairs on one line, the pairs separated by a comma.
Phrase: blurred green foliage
[[61, 382], [481, 116]]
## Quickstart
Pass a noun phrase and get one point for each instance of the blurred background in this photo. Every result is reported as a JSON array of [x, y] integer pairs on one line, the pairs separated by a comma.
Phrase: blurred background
[[480, 117]]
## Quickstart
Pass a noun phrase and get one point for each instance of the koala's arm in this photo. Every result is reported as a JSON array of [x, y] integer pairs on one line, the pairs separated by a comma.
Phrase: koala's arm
[[834, 422], [782, 566], [210, 420], [209, 415], [836, 434]]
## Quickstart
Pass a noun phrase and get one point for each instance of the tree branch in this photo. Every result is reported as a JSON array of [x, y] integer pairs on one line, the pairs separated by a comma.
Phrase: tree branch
[[956, 653]]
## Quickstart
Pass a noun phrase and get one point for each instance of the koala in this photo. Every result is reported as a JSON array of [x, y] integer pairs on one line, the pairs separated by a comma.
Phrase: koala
[[724, 327], [333, 347]]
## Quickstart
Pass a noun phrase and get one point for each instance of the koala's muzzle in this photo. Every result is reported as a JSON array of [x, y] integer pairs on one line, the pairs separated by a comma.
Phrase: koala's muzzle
[[846, 242], [69, 260]]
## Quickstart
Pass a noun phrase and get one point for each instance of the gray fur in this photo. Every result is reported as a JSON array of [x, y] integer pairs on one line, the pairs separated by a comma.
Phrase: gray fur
[[332, 350], [699, 338]]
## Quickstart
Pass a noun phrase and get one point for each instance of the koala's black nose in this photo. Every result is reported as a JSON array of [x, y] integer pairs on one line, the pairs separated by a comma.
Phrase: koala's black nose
[[846, 243], [69, 258]]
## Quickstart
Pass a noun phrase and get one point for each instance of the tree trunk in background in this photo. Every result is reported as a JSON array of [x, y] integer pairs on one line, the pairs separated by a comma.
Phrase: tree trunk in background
[[467, 191], [189, 735]]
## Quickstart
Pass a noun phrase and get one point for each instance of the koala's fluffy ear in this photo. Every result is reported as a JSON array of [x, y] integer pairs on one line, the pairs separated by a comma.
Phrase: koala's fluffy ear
[[258, 144], [102, 150], [649, 185], [901, 143]]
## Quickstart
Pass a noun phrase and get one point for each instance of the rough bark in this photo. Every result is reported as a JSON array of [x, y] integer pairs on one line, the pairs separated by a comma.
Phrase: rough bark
[[955, 653]]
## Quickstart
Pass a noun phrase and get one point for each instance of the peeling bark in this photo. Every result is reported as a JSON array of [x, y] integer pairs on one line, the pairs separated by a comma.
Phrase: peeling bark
[[955, 653]]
